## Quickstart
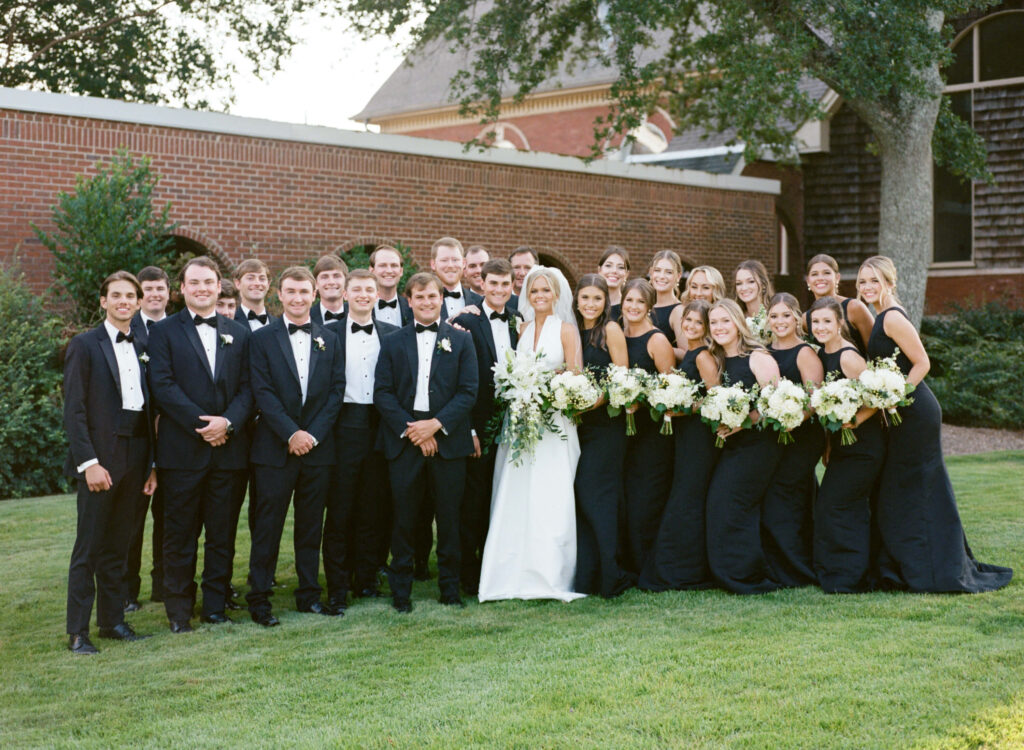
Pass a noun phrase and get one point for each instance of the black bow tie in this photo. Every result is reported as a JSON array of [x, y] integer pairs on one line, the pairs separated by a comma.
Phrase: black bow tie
[[149, 324], [210, 321], [383, 303], [421, 328], [129, 337], [500, 316], [261, 318], [356, 328], [305, 327], [449, 293], [329, 316]]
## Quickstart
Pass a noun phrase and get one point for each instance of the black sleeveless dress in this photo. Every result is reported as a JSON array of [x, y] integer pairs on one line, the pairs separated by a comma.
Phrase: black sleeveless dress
[[615, 313], [648, 472], [735, 496], [599, 491], [842, 511], [917, 514], [679, 558], [661, 316], [855, 337], [787, 525]]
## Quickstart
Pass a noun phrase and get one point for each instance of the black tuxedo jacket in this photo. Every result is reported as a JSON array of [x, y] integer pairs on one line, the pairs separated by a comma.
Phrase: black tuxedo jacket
[[403, 309], [184, 388], [240, 317], [275, 385], [479, 327], [139, 331], [92, 402], [453, 388]]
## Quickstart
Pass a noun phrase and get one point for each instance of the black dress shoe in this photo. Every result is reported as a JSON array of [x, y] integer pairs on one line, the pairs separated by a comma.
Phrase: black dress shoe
[[121, 632], [370, 592], [316, 608], [79, 643], [215, 618], [132, 605], [338, 604], [402, 605], [452, 600], [265, 618], [181, 626]]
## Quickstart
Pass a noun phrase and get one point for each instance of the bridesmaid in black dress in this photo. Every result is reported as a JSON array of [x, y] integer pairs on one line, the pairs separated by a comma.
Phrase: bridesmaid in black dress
[[599, 473], [823, 281], [614, 267], [679, 559], [665, 272], [648, 473], [752, 287], [748, 461], [917, 514], [787, 525], [842, 512], [706, 283]]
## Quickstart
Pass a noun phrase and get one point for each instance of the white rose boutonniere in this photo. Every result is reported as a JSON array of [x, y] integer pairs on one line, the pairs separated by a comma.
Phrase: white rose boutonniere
[[444, 345], [226, 339], [144, 358], [320, 343]]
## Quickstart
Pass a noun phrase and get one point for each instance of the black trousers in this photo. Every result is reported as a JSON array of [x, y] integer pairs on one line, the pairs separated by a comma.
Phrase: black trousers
[[411, 475], [197, 501], [476, 517], [278, 486], [101, 543], [132, 579]]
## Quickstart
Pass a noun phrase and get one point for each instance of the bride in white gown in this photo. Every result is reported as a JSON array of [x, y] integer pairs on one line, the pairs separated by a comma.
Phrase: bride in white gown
[[530, 552]]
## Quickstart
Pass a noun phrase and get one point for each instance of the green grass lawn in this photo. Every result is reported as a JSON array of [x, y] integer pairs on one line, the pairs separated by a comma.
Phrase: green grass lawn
[[795, 669]]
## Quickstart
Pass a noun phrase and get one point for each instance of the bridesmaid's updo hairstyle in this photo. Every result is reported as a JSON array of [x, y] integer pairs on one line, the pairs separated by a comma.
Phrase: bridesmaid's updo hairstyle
[[756, 269], [645, 288], [701, 307], [714, 277], [828, 260], [831, 303], [595, 335], [747, 342], [886, 270], [787, 299]]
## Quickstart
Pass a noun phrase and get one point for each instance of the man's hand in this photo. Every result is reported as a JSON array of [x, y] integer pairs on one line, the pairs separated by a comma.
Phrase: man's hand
[[150, 486], [216, 430], [476, 447], [98, 478], [421, 430], [429, 447], [300, 443]]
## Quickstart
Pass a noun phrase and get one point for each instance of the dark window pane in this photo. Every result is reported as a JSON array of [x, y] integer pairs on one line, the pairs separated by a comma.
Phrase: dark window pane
[[953, 229], [1002, 47], [961, 70], [960, 103]]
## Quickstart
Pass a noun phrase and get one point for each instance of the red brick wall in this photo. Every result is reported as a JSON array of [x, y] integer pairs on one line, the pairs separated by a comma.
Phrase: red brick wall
[[973, 289], [287, 201]]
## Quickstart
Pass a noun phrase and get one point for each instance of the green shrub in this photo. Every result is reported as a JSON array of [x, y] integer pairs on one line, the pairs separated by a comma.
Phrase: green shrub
[[977, 357], [32, 440]]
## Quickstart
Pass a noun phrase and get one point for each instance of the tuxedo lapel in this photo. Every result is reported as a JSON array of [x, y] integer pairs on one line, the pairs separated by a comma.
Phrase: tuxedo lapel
[[412, 353], [220, 356], [314, 351], [193, 337], [435, 358], [488, 334], [108, 354], [283, 340]]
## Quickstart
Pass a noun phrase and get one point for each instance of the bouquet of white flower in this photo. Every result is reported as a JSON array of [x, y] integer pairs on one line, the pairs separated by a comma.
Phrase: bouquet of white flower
[[758, 326], [782, 407], [573, 393], [884, 387], [728, 406], [836, 403], [522, 386], [625, 387], [670, 392]]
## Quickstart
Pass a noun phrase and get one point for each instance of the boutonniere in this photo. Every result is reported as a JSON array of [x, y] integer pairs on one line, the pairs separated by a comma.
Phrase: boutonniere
[[320, 343], [144, 358], [444, 345], [513, 324], [226, 339]]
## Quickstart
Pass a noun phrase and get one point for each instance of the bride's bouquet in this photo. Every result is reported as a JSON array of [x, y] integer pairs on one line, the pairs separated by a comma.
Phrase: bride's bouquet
[[884, 386], [836, 403], [625, 388], [522, 386], [670, 392], [573, 393], [782, 406], [726, 405]]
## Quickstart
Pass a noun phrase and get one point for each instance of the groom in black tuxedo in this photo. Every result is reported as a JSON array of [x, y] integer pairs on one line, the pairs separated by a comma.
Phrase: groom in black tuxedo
[[298, 379], [425, 387], [494, 330], [199, 375]]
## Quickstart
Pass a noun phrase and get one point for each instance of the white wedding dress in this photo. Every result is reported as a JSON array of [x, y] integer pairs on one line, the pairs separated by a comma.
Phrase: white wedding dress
[[530, 552]]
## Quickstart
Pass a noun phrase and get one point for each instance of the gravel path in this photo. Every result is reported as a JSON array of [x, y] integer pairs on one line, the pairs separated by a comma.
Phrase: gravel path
[[960, 440]]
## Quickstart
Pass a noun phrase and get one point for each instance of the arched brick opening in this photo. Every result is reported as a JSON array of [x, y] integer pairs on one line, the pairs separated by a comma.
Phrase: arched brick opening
[[554, 259]]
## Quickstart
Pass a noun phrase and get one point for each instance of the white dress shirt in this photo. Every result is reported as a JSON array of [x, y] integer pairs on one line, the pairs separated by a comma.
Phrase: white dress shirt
[[499, 329], [301, 342], [254, 324], [425, 343], [361, 352], [452, 306], [208, 338], [392, 315]]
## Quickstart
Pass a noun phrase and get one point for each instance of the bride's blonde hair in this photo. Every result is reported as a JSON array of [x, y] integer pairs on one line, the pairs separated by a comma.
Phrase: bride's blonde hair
[[535, 273]]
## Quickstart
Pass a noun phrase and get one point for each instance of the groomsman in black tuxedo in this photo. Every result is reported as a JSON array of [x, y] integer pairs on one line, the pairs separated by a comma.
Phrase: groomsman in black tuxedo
[[358, 510], [447, 260], [156, 293], [199, 375], [298, 380], [523, 258], [386, 266], [494, 332], [476, 256], [109, 423], [330, 273], [252, 280], [227, 300], [425, 387]]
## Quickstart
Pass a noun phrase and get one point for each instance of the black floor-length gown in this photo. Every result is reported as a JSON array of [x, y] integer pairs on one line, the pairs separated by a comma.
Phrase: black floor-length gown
[[599, 491], [787, 520], [917, 515], [661, 317], [648, 471], [842, 510], [679, 559], [735, 497]]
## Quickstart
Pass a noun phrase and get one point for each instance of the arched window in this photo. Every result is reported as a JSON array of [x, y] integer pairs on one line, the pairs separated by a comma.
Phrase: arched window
[[987, 56]]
